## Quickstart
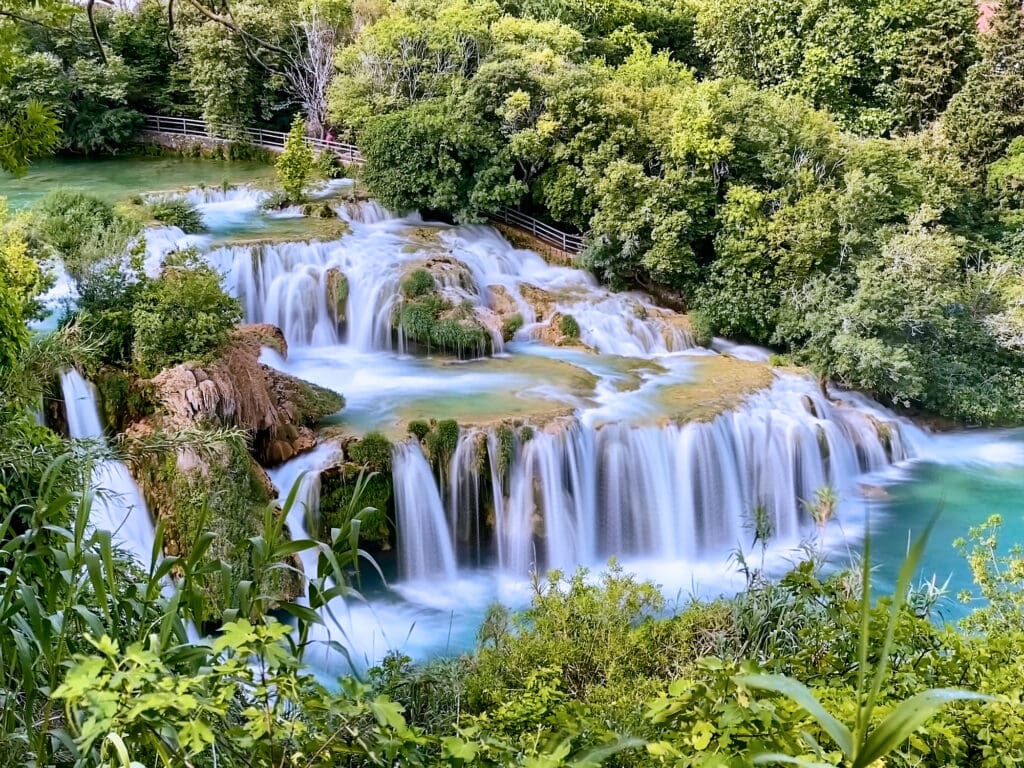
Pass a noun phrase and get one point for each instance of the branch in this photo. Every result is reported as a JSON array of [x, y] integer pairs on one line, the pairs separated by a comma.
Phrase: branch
[[229, 23], [95, 32], [27, 20]]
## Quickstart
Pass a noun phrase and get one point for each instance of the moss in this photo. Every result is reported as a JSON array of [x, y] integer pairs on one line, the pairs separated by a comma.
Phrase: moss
[[506, 448], [312, 402], [569, 327], [337, 293], [510, 327], [436, 324], [227, 495], [372, 452], [441, 442], [722, 384], [337, 500], [526, 433], [292, 230], [419, 428]]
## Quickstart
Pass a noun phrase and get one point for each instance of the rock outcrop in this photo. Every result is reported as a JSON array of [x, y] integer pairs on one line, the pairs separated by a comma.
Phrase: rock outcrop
[[237, 390]]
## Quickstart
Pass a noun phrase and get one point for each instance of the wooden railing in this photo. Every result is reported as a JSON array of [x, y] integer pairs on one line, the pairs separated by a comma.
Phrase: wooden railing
[[563, 240], [349, 153], [260, 137]]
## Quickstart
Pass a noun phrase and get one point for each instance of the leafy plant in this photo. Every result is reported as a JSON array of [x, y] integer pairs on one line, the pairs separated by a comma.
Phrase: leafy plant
[[866, 743], [177, 212], [296, 164]]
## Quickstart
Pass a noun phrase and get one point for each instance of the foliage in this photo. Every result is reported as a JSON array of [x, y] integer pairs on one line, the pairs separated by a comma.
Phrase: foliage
[[373, 452], [878, 66], [177, 212], [80, 229], [295, 165], [182, 315], [425, 317]]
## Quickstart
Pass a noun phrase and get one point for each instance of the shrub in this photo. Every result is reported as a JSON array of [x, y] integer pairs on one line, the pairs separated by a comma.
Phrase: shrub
[[183, 315], [81, 229], [177, 212], [372, 452], [569, 327], [295, 165], [418, 283], [511, 326], [419, 428]]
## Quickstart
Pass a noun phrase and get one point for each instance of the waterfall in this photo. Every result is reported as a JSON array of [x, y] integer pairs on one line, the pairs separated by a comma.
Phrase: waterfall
[[119, 507], [581, 492], [424, 540]]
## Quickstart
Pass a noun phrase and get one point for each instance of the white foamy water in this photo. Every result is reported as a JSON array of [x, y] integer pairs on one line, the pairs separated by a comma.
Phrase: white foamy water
[[612, 474], [119, 507]]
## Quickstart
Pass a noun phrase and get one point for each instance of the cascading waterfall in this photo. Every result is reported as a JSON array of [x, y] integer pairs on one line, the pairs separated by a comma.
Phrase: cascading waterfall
[[424, 540], [119, 507], [287, 284], [581, 493]]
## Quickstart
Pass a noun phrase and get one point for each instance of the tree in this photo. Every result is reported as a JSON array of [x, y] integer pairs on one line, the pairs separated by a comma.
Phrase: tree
[[183, 315], [985, 115], [295, 164], [309, 71]]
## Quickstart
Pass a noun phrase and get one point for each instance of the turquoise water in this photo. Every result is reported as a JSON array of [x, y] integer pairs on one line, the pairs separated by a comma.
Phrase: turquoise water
[[972, 476], [116, 178]]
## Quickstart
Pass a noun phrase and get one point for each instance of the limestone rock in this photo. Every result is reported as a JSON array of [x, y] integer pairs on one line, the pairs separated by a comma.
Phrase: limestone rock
[[238, 391]]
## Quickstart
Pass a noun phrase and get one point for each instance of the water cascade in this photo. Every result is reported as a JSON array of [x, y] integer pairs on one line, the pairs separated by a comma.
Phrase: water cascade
[[119, 507], [287, 284], [424, 542], [579, 492]]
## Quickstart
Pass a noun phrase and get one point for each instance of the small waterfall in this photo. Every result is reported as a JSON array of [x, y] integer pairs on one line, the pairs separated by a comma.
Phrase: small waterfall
[[424, 541], [119, 507], [579, 493]]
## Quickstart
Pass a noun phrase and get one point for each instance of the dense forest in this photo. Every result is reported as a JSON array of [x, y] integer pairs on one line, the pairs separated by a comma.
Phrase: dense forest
[[840, 180]]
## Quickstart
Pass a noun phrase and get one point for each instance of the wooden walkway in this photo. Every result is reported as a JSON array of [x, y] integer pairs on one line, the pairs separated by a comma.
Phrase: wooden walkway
[[349, 153]]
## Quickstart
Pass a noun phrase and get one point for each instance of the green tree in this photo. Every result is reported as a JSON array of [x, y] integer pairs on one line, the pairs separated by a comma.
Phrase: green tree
[[183, 315], [295, 165]]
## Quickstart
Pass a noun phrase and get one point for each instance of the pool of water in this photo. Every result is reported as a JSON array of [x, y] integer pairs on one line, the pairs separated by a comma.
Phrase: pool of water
[[113, 179]]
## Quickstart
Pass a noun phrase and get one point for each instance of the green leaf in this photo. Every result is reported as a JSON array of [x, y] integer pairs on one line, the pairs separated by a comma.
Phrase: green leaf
[[907, 718], [773, 758], [802, 696]]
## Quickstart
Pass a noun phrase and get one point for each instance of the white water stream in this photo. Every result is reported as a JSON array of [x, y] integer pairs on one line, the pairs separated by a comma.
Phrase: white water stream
[[607, 470], [118, 507]]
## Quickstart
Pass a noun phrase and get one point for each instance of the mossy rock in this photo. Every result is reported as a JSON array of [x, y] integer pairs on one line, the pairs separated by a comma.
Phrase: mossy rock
[[441, 442], [434, 323], [225, 493], [337, 294], [312, 402], [722, 384]]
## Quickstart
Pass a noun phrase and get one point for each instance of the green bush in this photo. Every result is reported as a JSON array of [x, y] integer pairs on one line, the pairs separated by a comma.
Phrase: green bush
[[373, 452], [296, 164], [82, 229], [419, 428], [184, 314], [418, 283], [569, 327], [177, 212], [511, 325]]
